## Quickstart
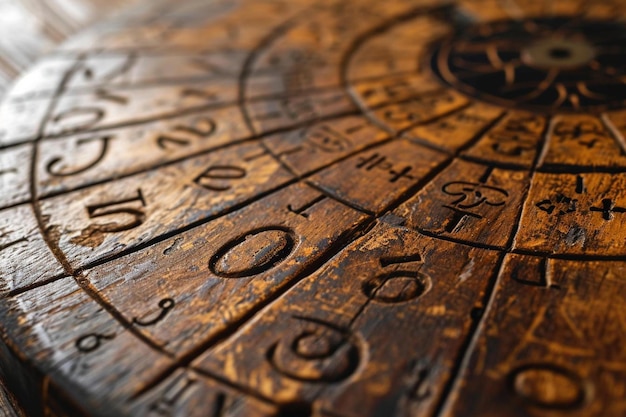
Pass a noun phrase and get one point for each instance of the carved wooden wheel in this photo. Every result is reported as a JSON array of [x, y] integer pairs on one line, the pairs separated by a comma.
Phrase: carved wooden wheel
[[320, 208]]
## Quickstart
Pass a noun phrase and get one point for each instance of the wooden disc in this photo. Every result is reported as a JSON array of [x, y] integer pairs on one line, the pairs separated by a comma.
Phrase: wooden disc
[[320, 208]]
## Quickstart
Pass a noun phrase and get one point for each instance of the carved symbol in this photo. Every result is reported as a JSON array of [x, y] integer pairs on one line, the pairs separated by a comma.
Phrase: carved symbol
[[253, 253], [398, 284], [544, 278], [92, 341], [51, 167], [319, 352], [173, 393], [576, 132], [181, 135], [549, 387], [219, 172], [473, 194], [564, 203], [165, 305], [380, 162], [511, 145], [326, 139], [515, 137], [119, 207], [608, 208], [80, 118]]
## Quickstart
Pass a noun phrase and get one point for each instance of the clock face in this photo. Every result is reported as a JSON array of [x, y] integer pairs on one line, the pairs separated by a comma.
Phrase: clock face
[[320, 208]]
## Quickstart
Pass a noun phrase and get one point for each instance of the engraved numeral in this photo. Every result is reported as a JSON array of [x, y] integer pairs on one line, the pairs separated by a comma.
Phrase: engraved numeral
[[400, 280], [55, 166], [255, 252], [318, 352], [183, 135], [214, 177], [116, 208], [92, 341], [165, 305]]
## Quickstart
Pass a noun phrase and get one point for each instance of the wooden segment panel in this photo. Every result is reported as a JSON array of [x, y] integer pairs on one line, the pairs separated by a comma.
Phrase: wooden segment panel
[[578, 214], [105, 221], [395, 167], [324, 351], [469, 202], [551, 343], [192, 288]]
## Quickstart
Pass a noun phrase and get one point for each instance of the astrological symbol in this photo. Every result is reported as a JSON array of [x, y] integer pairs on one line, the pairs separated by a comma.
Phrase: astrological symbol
[[516, 136], [173, 393], [326, 139], [182, 135], [566, 204], [549, 387], [92, 341], [511, 144], [165, 305], [255, 252], [562, 204], [53, 165], [399, 282], [576, 132], [318, 351], [302, 210], [392, 90], [214, 177], [471, 195], [381, 162], [608, 208], [116, 208]]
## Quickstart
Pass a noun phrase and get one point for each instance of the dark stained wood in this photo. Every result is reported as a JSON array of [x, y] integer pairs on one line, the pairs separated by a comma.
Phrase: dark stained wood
[[279, 208]]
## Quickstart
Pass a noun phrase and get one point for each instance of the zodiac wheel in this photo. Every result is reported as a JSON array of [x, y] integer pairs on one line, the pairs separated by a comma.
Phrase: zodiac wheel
[[320, 208]]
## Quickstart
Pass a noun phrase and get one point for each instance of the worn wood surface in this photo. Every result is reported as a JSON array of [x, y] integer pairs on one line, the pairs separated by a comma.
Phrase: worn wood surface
[[320, 208], [30, 28]]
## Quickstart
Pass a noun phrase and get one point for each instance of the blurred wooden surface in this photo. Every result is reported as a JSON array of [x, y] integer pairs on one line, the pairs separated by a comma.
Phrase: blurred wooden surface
[[29, 28]]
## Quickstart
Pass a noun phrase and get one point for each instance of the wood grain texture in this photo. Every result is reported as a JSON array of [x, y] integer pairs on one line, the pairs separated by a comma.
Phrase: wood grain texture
[[282, 208], [31, 28]]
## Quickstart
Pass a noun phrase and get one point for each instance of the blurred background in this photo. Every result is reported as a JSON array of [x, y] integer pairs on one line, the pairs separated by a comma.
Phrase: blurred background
[[30, 28]]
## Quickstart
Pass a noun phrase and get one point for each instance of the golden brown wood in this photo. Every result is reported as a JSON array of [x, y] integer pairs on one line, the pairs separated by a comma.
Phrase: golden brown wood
[[320, 208]]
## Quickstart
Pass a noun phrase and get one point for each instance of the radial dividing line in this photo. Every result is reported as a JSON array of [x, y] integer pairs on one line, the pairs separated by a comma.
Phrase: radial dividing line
[[453, 387], [54, 248]]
